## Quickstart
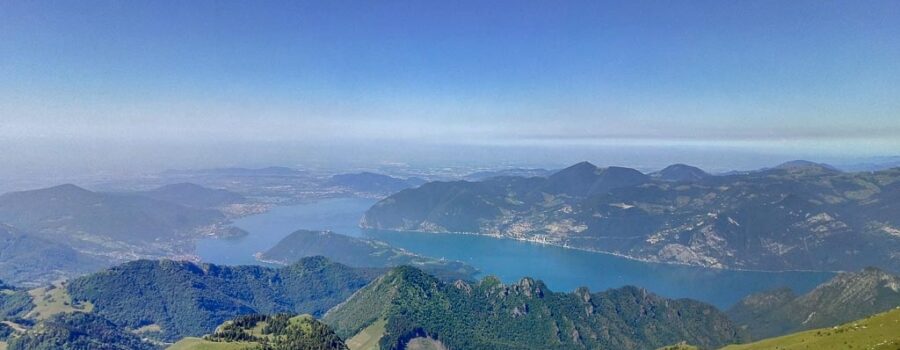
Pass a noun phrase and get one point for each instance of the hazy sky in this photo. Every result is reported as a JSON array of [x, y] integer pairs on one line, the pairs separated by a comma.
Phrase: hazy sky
[[116, 84]]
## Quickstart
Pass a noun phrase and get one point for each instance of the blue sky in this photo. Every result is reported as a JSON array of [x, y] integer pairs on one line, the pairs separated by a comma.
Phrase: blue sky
[[796, 77]]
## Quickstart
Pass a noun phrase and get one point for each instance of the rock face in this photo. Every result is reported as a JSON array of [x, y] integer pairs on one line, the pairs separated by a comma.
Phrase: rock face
[[796, 216], [524, 315], [846, 297]]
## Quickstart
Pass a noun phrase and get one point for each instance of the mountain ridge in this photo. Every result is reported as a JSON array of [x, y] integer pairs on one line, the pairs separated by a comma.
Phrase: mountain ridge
[[489, 314], [845, 297], [189, 299], [769, 220]]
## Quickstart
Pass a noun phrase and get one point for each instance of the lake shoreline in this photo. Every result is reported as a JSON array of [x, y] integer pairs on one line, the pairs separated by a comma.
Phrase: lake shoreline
[[618, 255], [561, 267]]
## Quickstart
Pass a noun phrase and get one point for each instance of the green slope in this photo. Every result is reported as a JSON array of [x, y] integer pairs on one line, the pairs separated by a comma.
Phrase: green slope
[[846, 297], [64, 211], [881, 331]]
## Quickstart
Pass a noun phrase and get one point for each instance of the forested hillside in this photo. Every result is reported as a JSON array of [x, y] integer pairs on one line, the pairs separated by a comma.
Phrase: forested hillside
[[410, 304], [360, 252], [261, 332], [187, 299]]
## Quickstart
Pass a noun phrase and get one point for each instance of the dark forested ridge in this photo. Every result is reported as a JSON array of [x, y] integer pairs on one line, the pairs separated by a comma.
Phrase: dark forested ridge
[[844, 298], [360, 252], [527, 315], [799, 215], [187, 299]]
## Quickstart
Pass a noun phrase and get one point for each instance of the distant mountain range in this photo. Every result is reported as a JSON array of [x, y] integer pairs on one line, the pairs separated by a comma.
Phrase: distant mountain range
[[846, 297], [872, 164], [521, 172], [408, 306], [372, 183], [65, 231], [193, 195], [68, 211], [359, 252], [798, 215]]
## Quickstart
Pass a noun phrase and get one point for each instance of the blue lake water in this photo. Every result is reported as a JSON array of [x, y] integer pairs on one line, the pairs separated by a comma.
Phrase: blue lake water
[[562, 269]]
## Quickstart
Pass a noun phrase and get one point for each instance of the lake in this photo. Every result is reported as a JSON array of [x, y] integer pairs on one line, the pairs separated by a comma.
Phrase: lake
[[510, 260]]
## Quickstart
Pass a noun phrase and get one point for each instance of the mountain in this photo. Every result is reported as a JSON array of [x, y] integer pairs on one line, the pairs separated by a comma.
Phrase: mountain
[[805, 166], [799, 216], [407, 306], [193, 195], [30, 261], [681, 173], [372, 183], [187, 299], [359, 252], [844, 298], [259, 332], [78, 331], [70, 212], [585, 179], [520, 172], [881, 331]]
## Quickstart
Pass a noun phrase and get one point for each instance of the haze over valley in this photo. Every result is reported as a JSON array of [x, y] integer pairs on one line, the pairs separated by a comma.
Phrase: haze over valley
[[466, 175]]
